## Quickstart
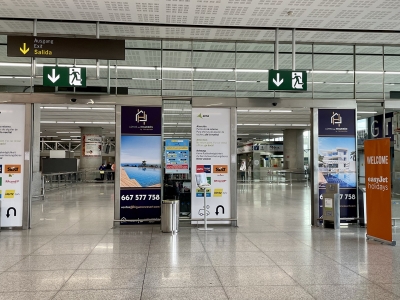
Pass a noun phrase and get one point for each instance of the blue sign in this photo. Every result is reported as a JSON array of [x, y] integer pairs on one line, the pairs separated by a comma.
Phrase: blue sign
[[176, 156], [337, 157]]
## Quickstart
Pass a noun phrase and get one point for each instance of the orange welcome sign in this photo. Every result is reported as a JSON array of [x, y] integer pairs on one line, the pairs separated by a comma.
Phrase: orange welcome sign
[[378, 185]]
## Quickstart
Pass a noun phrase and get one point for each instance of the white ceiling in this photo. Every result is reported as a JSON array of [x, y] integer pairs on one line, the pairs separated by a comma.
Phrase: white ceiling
[[363, 15]]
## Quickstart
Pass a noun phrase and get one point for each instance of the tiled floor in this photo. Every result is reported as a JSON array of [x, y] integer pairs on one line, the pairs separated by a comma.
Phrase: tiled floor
[[72, 252]]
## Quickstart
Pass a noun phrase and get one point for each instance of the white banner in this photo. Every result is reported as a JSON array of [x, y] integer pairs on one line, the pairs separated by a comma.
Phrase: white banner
[[91, 145], [12, 136], [211, 155]]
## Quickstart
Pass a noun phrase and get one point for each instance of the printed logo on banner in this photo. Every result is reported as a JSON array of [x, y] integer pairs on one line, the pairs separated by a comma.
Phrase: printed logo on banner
[[199, 169], [220, 169], [9, 194], [1, 194], [141, 116], [201, 116], [207, 168], [336, 119], [1, 169], [218, 192], [200, 193], [220, 180], [336, 122], [12, 169]]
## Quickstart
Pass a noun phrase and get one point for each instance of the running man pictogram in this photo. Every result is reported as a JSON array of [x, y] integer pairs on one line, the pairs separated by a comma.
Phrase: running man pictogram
[[75, 76]]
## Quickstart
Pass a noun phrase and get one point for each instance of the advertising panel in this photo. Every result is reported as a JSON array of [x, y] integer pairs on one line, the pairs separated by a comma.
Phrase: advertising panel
[[141, 167], [91, 145], [176, 156], [12, 135], [337, 157], [211, 155], [378, 186]]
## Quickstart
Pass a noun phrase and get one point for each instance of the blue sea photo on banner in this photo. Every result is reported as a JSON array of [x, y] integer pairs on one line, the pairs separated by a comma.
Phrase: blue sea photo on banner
[[337, 161], [140, 161]]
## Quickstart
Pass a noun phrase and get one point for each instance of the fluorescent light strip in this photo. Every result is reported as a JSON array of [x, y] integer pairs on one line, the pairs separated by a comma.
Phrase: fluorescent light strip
[[64, 122], [242, 134], [48, 122], [101, 122], [62, 132], [281, 111], [214, 70], [85, 108], [55, 107], [242, 110], [267, 124], [283, 125], [299, 124], [277, 134], [259, 110], [103, 108], [251, 124], [366, 112], [82, 122]]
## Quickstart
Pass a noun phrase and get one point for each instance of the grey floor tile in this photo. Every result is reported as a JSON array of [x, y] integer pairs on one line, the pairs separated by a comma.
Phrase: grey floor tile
[[68, 249], [118, 294], [181, 277], [267, 292], [78, 239], [177, 247], [350, 292], [323, 274], [176, 259], [127, 248], [194, 293], [239, 259], [391, 287], [378, 273], [300, 258], [24, 281], [114, 261], [27, 295], [48, 262], [226, 246], [8, 261], [250, 276], [105, 279], [132, 239]]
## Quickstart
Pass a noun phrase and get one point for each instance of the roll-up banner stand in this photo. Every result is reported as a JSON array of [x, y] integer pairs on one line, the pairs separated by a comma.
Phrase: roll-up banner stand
[[211, 155], [378, 187], [140, 164], [337, 154], [12, 137]]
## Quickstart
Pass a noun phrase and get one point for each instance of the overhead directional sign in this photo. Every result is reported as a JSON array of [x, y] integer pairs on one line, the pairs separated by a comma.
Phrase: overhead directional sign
[[64, 76], [287, 80], [56, 47]]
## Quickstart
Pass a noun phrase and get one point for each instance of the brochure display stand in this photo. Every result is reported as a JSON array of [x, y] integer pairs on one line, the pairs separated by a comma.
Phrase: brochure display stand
[[201, 181]]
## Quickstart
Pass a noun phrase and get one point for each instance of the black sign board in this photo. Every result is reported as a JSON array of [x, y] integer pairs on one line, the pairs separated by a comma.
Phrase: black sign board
[[56, 47]]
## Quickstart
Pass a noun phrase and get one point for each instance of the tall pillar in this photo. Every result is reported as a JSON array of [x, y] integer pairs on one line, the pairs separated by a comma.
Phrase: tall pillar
[[36, 184], [293, 149], [91, 139]]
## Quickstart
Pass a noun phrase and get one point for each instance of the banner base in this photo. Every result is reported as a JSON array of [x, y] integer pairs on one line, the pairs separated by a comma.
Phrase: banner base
[[391, 243]]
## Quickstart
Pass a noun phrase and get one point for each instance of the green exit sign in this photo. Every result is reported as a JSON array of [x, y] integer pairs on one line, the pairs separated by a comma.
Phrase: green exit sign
[[64, 76], [287, 80]]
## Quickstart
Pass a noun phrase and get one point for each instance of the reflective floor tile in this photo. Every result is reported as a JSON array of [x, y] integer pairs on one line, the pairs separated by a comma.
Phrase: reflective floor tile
[[226, 246], [181, 277], [33, 280], [58, 249], [49, 262], [178, 259], [243, 259], [127, 248], [349, 257], [267, 292], [105, 279], [114, 261], [301, 258], [323, 274], [350, 292], [78, 239], [117, 294], [177, 247], [132, 239], [199, 293], [378, 273], [250, 276]]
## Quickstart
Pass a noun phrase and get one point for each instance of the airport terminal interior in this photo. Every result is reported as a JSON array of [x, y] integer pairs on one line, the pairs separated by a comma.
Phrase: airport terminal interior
[[199, 149]]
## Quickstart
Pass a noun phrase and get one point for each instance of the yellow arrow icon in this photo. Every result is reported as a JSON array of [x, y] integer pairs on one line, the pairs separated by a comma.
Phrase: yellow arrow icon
[[24, 50]]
